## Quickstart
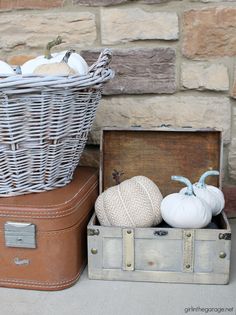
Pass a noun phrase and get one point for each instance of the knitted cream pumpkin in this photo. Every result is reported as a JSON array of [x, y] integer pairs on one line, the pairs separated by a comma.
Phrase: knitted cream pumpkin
[[133, 203]]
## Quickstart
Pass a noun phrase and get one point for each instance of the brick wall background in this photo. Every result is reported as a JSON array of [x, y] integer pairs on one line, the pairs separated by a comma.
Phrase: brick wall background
[[174, 60]]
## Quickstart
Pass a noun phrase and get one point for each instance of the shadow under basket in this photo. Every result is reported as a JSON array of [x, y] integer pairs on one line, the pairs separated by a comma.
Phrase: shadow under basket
[[44, 125]]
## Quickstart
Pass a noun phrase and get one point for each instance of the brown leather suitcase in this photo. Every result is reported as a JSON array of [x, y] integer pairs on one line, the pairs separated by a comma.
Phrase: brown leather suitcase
[[43, 235]]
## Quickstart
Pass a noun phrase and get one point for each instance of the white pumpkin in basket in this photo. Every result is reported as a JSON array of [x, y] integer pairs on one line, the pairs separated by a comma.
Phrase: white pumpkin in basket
[[5, 69], [29, 66], [76, 62], [56, 68], [133, 203]]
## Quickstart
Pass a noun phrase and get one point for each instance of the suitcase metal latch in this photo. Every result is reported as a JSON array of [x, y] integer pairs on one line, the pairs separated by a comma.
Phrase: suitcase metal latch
[[19, 234]]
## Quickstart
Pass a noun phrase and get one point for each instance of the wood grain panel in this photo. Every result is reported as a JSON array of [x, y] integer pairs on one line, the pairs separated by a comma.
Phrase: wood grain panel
[[160, 154]]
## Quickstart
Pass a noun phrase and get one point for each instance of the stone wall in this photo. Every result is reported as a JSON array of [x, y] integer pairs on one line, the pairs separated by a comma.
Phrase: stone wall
[[174, 60]]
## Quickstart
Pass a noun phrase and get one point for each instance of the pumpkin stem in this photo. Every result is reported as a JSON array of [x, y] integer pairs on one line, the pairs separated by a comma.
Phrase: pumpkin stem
[[186, 181], [67, 55], [116, 175], [18, 70], [50, 45], [201, 183]]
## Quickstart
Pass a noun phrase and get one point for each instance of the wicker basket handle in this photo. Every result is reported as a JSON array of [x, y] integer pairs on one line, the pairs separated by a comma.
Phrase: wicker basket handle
[[102, 63]]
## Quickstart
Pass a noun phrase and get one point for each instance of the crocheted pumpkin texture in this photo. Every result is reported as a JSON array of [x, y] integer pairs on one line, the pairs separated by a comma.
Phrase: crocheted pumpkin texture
[[133, 203]]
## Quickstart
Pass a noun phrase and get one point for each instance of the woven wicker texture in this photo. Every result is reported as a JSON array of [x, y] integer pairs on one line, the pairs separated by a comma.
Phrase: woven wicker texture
[[133, 203], [44, 124]]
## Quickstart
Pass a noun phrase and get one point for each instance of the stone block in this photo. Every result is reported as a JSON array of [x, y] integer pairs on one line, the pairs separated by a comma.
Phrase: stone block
[[90, 156], [114, 2], [139, 71], [132, 24], [232, 159], [211, 1], [30, 30], [96, 3], [29, 4], [234, 85], [176, 110], [204, 76], [19, 59], [155, 1], [209, 32]]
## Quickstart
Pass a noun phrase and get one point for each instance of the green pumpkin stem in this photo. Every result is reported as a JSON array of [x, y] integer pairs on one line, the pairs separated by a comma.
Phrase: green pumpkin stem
[[201, 182], [187, 182], [50, 45]]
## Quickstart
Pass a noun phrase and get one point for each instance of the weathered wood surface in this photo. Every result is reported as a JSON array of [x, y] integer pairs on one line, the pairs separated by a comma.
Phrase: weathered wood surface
[[159, 155], [139, 71], [160, 258], [159, 276], [230, 201]]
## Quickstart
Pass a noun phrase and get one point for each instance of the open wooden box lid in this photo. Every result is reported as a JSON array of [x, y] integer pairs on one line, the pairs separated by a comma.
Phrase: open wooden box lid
[[160, 153]]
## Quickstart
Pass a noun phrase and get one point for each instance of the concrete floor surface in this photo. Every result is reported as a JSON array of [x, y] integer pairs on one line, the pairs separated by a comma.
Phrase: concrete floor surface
[[90, 297]]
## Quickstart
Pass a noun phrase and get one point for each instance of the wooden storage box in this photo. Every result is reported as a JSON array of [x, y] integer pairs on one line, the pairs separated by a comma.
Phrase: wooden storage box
[[160, 254]]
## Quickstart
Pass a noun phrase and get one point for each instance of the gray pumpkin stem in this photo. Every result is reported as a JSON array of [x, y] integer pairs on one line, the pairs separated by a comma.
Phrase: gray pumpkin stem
[[67, 55], [18, 70]]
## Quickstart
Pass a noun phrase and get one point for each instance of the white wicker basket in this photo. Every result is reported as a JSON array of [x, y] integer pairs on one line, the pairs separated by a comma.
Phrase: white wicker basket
[[44, 124]]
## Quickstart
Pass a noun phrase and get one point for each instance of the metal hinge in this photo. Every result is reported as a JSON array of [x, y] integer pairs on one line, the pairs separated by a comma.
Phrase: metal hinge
[[225, 236], [19, 234], [92, 232]]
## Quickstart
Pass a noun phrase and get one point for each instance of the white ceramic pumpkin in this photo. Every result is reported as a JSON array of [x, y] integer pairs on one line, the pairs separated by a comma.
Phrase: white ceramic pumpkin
[[5, 69], [212, 195], [185, 210], [56, 68], [133, 203], [76, 62], [29, 66]]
